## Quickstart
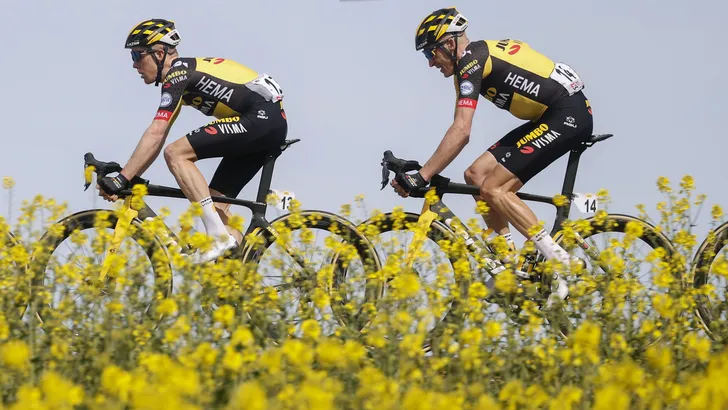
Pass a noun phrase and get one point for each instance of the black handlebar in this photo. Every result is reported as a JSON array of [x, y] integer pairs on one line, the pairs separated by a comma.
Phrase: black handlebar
[[401, 166], [104, 168]]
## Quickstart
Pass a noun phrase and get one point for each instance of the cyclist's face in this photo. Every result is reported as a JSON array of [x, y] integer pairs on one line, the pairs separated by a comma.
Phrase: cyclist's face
[[441, 59], [144, 64]]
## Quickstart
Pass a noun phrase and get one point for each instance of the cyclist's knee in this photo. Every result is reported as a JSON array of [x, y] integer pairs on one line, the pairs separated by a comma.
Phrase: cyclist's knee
[[171, 154], [178, 151], [474, 176]]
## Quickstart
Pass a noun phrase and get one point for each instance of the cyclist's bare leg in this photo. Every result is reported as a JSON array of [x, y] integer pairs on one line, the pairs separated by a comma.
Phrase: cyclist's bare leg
[[498, 192], [224, 211], [181, 159], [476, 175]]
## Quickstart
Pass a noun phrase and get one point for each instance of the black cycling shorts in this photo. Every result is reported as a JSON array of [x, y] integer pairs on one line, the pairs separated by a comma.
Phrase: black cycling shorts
[[530, 148], [242, 142]]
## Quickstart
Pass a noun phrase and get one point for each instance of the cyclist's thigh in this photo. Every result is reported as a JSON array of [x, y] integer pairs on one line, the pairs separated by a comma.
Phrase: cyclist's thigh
[[234, 172], [503, 146], [535, 147]]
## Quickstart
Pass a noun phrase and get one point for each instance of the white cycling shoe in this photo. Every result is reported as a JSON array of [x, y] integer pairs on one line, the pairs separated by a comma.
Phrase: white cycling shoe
[[218, 249], [562, 287]]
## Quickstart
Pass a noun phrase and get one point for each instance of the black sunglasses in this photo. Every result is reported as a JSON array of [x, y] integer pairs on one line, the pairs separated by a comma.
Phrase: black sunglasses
[[429, 52], [136, 56]]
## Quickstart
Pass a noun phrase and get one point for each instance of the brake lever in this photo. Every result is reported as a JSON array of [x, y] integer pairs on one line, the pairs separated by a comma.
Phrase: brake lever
[[101, 169], [385, 175]]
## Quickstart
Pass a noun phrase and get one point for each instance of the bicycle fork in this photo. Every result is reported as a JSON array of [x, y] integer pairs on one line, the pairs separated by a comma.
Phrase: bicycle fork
[[120, 230], [492, 265]]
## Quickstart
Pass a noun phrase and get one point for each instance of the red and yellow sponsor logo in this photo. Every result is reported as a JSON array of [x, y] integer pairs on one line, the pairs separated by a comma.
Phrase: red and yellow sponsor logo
[[467, 102], [163, 115]]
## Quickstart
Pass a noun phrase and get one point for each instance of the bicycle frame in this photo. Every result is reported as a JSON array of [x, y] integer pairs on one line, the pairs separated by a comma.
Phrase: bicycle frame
[[437, 210], [129, 213]]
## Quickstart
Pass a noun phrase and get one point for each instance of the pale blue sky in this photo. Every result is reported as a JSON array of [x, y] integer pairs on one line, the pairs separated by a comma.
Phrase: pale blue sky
[[354, 87]]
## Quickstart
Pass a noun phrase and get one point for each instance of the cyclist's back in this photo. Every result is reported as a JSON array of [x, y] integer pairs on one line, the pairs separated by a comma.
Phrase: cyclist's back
[[514, 77], [216, 87]]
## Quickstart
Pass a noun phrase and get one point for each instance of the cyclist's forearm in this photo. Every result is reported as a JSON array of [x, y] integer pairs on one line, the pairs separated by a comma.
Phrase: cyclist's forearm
[[144, 155], [455, 139]]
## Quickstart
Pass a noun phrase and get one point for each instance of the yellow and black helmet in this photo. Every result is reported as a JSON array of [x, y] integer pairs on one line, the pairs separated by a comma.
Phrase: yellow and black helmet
[[153, 31], [437, 24]]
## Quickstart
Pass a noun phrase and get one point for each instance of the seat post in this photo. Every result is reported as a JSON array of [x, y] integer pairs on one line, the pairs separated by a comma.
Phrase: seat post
[[266, 177], [567, 189], [571, 168]]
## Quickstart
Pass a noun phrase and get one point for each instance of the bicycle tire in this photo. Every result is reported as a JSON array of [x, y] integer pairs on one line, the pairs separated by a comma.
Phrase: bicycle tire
[[49, 242], [613, 223], [323, 220], [703, 260]]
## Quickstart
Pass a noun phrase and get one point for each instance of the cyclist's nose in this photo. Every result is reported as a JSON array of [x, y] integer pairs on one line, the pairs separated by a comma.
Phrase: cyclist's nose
[[431, 61]]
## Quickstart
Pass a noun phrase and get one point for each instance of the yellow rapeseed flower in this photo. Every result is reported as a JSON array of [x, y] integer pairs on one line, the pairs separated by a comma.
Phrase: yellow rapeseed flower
[[716, 212], [15, 354], [311, 329], [696, 347], [168, 307], [8, 182], [224, 315], [405, 285], [585, 341], [251, 396], [611, 397], [663, 185]]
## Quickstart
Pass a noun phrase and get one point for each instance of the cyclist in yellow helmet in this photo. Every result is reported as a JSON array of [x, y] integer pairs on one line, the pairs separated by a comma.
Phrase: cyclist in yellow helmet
[[529, 85], [250, 122]]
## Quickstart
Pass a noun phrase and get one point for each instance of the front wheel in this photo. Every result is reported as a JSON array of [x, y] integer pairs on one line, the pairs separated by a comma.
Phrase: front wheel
[[66, 286], [628, 273], [312, 265], [441, 264]]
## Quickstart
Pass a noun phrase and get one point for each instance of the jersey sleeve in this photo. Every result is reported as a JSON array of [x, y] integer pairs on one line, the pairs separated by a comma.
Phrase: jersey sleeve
[[469, 78], [173, 88]]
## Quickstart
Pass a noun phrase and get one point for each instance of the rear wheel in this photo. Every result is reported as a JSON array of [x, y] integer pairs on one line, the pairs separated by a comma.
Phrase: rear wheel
[[623, 277]]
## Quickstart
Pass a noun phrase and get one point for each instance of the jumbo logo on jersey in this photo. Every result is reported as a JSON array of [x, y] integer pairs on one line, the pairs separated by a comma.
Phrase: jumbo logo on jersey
[[523, 84], [469, 66], [214, 89]]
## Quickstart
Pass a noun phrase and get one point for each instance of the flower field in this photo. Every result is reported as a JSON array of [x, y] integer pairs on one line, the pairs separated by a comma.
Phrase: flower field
[[225, 338]]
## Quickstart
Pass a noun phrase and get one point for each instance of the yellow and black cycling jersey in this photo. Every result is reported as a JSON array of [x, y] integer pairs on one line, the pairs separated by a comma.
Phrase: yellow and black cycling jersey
[[217, 87], [514, 77]]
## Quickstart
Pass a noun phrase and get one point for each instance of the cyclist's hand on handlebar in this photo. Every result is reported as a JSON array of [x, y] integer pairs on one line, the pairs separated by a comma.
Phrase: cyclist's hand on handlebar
[[405, 183], [109, 187]]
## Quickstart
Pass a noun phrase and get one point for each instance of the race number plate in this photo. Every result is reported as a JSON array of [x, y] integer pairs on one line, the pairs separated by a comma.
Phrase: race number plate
[[568, 78], [586, 203], [281, 199]]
